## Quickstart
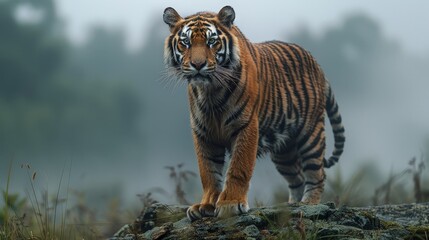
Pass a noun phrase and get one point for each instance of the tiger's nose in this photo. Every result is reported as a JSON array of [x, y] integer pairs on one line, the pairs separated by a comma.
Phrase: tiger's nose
[[198, 64]]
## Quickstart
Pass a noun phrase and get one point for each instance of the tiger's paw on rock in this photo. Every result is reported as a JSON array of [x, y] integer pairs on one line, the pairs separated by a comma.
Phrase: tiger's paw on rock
[[225, 209], [198, 211]]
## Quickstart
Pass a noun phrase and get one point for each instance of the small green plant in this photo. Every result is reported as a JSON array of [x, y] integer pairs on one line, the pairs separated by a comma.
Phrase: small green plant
[[38, 216], [11, 227]]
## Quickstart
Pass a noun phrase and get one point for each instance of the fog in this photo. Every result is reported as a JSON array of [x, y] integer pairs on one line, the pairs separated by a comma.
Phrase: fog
[[81, 90]]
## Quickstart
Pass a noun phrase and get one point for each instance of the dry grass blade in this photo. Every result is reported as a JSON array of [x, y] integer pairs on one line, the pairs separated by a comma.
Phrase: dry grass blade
[[300, 226]]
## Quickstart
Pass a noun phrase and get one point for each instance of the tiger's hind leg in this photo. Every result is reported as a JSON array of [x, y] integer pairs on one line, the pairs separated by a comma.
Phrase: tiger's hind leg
[[312, 151], [288, 164]]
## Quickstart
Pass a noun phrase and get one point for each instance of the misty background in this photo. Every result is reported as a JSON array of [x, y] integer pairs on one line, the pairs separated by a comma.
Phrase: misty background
[[81, 90]]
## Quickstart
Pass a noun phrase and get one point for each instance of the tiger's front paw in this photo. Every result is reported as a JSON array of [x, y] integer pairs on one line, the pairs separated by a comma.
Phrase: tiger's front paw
[[198, 211], [225, 209]]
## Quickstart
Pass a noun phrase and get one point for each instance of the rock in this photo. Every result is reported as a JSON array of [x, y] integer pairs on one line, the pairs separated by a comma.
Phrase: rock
[[312, 211], [251, 231], [284, 221]]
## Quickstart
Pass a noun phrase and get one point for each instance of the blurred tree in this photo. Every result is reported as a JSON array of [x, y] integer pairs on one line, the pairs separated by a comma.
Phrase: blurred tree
[[29, 54], [103, 56], [49, 101], [351, 54]]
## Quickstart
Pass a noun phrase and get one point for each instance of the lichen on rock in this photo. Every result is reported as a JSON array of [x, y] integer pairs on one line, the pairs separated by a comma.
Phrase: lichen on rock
[[284, 221]]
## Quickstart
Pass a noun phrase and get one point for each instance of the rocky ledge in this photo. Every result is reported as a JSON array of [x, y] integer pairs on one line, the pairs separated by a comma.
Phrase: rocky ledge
[[286, 221]]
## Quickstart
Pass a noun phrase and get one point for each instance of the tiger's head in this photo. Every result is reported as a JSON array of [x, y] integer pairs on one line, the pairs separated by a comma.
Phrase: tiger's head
[[201, 47]]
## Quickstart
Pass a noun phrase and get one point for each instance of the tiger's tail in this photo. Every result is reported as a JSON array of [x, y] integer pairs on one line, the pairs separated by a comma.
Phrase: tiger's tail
[[337, 127]]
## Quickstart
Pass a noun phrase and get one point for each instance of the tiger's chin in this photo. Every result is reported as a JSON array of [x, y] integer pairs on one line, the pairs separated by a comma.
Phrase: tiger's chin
[[200, 80]]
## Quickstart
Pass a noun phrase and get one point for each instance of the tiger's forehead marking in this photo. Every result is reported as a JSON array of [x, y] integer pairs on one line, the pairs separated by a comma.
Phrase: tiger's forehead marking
[[206, 28], [186, 32], [211, 31]]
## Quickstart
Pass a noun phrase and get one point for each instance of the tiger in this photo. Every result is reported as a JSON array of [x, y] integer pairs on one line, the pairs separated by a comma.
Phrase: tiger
[[247, 100]]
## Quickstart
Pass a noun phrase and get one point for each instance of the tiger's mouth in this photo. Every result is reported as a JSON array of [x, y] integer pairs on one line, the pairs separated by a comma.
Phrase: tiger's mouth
[[199, 78]]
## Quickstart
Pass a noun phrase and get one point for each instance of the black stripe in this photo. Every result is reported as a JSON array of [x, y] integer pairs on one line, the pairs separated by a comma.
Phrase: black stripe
[[320, 78], [339, 145], [316, 155], [333, 159], [283, 162], [223, 55], [238, 130], [272, 93], [337, 153], [296, 185], [216, 160], [303, 139], [280, 112], [241, 208], [269, 101], [275, 90], [243, 90], [312, 78], [249, 47], [333, 110], [282, 127], [289, 174], [280, 88], [316, 183], [338, 130], [329, 98], [173, 45], [194, 91], [204, 140], [313, 188], [265, 93], [230, 46], [289, 104], [339, 138], [302, 78], [237, 113], [200, 126], [336, 120], [292, 75], [230, 89], [287, 73], [314, 143], [312, 167], [191, 24], [227, 95], [252, 51]]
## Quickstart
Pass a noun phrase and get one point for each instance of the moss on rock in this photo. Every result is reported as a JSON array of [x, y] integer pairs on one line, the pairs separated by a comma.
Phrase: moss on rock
[[284, 221]]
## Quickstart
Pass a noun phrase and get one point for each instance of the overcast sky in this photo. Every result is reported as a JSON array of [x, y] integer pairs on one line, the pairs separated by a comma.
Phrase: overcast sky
[[406, 21]]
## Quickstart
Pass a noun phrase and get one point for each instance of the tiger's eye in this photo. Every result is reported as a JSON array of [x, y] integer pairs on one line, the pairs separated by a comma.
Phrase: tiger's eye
[[211, 41], [186, 41]]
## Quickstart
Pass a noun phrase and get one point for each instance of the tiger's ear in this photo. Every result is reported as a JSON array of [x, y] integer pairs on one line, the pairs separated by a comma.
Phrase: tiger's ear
[[226, 16], [171, 17]]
